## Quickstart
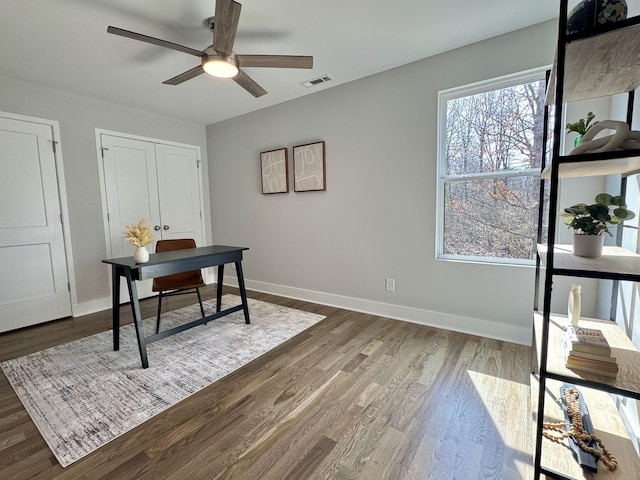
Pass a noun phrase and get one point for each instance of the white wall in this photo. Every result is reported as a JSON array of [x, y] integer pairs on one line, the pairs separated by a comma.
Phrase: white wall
[[78, 118], [377, 217]]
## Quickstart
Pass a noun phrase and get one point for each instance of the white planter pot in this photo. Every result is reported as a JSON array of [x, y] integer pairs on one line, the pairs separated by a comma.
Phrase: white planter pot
[[589, 246], [141, 255]]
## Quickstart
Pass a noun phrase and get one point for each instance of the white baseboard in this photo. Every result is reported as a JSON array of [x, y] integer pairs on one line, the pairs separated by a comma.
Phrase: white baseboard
[[92, 306], [473, 326]]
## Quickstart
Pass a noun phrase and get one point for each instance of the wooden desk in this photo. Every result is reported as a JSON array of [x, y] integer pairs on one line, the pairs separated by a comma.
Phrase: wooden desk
[[167, 263]]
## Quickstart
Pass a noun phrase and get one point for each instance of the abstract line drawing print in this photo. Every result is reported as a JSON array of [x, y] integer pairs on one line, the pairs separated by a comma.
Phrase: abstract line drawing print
[[309, 167], [275, 171]]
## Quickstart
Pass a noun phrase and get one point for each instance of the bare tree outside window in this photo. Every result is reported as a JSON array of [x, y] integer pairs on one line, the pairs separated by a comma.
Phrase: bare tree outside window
[[490, 167]]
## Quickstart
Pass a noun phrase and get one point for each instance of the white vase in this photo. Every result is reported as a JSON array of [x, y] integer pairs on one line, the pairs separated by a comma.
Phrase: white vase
[[589, 246], [573, 307], [141, 255]]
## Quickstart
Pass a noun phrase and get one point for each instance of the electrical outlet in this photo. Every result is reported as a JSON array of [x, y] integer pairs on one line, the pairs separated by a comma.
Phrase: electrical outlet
[[390, 284]]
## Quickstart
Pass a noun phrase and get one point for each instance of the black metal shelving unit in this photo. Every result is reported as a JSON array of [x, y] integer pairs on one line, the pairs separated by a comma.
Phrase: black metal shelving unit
[[581, 72]]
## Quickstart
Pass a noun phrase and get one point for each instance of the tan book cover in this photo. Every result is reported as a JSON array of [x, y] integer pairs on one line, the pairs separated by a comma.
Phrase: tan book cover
[[589, 356], [588, 340], [582, 362], [594, 370]]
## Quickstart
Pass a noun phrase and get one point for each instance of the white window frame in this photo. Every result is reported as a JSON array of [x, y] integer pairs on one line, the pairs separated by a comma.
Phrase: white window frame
[[444, 96]]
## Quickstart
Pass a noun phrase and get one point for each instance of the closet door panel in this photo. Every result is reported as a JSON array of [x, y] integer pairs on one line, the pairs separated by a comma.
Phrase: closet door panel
[[179, 192], [131, 188]]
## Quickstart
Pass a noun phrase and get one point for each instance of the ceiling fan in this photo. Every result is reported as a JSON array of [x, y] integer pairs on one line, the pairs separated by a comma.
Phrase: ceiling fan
[[218, 58]]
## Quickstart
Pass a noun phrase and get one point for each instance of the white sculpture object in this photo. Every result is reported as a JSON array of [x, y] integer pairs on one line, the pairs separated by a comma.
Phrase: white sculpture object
[[574, 304], [623, 138]]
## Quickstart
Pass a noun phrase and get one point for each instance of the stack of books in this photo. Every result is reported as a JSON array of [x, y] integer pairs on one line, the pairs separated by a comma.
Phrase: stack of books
[[587, 350]]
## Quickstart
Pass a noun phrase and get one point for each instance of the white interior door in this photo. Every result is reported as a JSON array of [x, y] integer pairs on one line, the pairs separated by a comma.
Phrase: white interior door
[[159, 182], [34, 284], [179, 192], [132, 189], [132, 194]]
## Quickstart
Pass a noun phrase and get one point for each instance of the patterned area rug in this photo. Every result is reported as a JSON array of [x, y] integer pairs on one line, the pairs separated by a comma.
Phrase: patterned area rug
[[82, 395]]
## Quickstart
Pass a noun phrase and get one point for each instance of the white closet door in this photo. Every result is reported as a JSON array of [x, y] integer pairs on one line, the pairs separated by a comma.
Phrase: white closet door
[[131, 188], [159, 182], [132, 194], [179, 192], [33, 279]]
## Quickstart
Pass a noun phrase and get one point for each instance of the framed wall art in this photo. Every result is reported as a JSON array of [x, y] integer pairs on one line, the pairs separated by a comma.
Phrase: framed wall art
[[274, 168], [309, 167]]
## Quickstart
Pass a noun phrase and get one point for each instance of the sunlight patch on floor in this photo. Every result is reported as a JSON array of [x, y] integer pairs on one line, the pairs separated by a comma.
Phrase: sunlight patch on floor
[[507, 404]]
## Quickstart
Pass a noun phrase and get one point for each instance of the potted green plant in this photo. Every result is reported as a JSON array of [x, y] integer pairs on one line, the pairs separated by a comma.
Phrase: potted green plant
[[581, 127], [590, 222]]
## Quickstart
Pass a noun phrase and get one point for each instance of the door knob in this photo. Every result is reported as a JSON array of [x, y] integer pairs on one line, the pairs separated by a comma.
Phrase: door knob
[[165, 227], [156, 228]]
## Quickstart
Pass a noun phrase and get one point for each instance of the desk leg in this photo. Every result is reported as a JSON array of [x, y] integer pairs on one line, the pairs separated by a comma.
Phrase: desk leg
[[115, 306], [137, 318], [219, 289], [243, 292]]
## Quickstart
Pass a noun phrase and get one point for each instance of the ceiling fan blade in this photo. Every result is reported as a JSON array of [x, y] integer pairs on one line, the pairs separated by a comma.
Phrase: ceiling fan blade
[[153, 41], [225, 25], [183, 77], [275, 61], [246, 82]]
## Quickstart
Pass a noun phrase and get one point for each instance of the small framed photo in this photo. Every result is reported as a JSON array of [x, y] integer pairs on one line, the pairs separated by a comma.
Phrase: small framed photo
[[309, 168], [274, 168]]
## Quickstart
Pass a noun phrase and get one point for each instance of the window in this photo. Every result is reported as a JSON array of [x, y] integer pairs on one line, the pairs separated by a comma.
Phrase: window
[[489, 158]]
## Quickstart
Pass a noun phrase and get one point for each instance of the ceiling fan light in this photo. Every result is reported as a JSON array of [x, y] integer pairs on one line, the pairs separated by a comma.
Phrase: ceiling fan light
[[221, 66]]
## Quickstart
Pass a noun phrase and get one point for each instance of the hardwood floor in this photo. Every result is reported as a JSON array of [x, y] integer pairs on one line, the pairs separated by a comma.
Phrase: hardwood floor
[[354, 397]]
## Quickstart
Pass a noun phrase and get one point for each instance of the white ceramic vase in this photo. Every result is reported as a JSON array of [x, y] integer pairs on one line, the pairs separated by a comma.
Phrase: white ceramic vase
[[573, 308], [141, 255], [589, 246]]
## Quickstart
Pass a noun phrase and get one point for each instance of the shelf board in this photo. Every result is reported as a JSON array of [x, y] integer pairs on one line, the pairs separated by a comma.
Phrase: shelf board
[[627, 355], [615, 263], [587, 167], [607, 424], [599, 66]]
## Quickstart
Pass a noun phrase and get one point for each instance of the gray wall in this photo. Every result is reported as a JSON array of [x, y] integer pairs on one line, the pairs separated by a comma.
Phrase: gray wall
[[377, 217], [78, 118]]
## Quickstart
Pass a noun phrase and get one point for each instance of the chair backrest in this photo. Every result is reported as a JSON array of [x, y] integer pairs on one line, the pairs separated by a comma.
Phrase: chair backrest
[[179, 280], [175, 244]]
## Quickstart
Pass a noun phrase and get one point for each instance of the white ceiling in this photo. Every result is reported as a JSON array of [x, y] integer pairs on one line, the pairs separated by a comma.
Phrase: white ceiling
[[64, 44]]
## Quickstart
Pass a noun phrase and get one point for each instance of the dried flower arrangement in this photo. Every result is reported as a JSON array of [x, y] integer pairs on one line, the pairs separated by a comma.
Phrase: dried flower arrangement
[[139, 234]]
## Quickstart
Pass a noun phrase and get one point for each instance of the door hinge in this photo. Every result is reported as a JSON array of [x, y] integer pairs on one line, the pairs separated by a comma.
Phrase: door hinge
[[53, 146], [61, 219], [68, 286], [198, 162], [102, 149], [108, 217]]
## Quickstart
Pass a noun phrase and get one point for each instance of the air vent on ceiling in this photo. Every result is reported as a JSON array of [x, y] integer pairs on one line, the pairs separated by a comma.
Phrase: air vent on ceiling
[[317, 81]]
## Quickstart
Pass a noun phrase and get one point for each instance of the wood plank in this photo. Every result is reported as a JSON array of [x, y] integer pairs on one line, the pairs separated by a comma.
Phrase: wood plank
[[614, 260], [600, 66], [622, 348], [356, 397], [592, 168], [607, 426]]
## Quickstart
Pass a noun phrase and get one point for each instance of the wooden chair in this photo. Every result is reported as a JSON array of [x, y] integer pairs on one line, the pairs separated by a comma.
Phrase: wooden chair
[[179, 283]]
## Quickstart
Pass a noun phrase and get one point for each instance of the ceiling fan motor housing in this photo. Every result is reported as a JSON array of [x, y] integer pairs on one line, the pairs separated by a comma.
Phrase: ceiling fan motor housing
[[218, 64]]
